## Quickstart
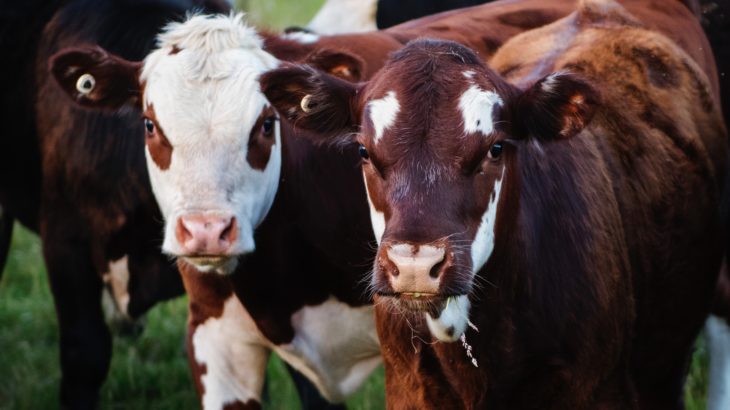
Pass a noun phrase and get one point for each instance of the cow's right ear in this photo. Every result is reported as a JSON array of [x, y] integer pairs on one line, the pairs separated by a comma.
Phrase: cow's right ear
[[312, 100], [92, 77]]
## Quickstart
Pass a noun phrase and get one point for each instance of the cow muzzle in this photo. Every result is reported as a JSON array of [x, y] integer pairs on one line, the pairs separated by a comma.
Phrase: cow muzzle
[[207, 240], [414, 272]]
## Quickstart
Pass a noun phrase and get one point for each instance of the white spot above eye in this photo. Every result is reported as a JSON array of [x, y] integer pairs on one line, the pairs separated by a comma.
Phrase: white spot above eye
[[476, 107], [85, 84], [383, 113]]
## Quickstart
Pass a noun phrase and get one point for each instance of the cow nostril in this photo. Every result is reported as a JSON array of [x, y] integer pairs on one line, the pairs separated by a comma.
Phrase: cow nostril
[[182, 232], [229, 232], [436, 269]]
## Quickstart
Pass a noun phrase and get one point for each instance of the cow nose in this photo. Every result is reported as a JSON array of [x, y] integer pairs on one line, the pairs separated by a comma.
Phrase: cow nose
[[415, 268], [208, 235]]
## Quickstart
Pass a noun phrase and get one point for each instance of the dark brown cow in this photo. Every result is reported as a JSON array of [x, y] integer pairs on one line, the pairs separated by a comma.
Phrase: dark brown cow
[[559, 214]]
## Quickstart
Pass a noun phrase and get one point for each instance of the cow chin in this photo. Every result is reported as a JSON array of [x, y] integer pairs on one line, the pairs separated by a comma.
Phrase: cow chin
[[450, 323], [222, 265]]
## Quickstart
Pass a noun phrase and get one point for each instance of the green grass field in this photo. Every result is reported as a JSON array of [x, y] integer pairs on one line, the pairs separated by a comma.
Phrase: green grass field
[[150, 372]]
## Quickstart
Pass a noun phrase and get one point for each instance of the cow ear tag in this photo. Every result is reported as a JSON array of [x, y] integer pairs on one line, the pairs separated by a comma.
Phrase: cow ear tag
[[305, 104], [85, 84]]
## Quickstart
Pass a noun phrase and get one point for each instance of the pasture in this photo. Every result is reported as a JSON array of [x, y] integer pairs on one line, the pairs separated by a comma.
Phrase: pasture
[[151, 371]]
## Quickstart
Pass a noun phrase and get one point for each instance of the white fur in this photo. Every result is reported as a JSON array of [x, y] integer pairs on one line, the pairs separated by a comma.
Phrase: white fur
[[476, 107], [335, 346], [302, 37], [455, 315], [345, 16], [717, 333], [207, 98], [377, 218], [483, 244], [234, 354], [383, 112]]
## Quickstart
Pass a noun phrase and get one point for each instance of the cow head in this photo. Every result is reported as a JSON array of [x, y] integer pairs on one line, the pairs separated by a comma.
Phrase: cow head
[[438, 133], [213, 144]]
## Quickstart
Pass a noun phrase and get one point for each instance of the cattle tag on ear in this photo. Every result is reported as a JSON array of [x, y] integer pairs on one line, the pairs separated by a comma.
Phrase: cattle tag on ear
[[305, 103], [85, 84]]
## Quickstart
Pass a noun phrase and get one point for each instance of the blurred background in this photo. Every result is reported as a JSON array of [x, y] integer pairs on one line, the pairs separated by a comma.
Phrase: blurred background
[[151, 370]]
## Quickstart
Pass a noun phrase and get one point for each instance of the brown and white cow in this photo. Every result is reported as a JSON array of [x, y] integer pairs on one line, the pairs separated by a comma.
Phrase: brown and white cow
[[558, 213]]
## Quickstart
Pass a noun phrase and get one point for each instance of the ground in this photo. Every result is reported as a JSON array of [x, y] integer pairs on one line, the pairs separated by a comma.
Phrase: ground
[[151, 372]]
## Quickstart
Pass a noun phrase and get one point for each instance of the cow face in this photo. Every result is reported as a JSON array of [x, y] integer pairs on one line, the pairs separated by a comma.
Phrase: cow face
[[439, 134], [213, 143]]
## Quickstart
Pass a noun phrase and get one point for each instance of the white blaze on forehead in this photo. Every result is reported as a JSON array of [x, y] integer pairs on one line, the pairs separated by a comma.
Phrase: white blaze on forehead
[[483, 244], [476, 107], [452, 321], [203, 85], [234, 355], [383, 113]]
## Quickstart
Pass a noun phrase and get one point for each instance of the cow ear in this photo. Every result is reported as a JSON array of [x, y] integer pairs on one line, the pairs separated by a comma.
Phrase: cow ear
[[557, 107], [337, 63], [92, 77], [312, 100]]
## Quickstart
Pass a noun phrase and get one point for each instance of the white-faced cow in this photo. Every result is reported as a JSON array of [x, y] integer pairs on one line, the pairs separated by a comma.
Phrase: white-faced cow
[[79, 180], [557, 213]]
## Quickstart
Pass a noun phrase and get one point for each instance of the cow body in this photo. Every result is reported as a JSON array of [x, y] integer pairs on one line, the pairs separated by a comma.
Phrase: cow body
[[560, 230]]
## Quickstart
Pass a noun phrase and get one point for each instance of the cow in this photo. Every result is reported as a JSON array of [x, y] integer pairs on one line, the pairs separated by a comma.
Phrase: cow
[[548, 225], [90, 201]]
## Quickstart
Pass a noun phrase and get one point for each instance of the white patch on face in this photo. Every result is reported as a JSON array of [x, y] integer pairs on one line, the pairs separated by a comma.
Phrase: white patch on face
[[207, 99], [452, 322], [377, 218], [548, 85], [717, 333], [302, 37], [345, 16], [483, 244], [476, 107], [468, 74], [235, 356], [117, 279], [335, 346], [383, 113]]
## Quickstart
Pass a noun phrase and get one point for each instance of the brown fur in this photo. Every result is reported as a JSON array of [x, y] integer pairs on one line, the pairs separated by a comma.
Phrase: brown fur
[[157, 143], [608, 243]]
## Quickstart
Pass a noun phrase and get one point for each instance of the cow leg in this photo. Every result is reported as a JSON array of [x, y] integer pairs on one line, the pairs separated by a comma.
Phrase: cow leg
[[85, 339], [6, 235], [309, 394], [717, 333]]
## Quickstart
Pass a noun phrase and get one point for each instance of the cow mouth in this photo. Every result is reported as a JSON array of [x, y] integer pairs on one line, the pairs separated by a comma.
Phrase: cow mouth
[[417, 301], [224, 264]]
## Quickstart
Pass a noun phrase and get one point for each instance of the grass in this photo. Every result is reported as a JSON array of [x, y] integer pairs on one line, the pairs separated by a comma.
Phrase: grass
[[151, 372]]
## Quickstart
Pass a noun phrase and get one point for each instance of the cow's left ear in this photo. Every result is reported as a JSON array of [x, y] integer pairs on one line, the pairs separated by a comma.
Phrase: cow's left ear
[[340, 64], [92, 77], [557, 107]]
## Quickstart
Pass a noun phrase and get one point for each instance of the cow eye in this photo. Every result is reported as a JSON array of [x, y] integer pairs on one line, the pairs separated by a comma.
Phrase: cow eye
[[363, 152], [496, 150], [268, 126], [149, 125]]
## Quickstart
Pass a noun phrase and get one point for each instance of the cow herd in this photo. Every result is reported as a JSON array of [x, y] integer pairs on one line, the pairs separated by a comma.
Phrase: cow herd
[[515, 205]]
